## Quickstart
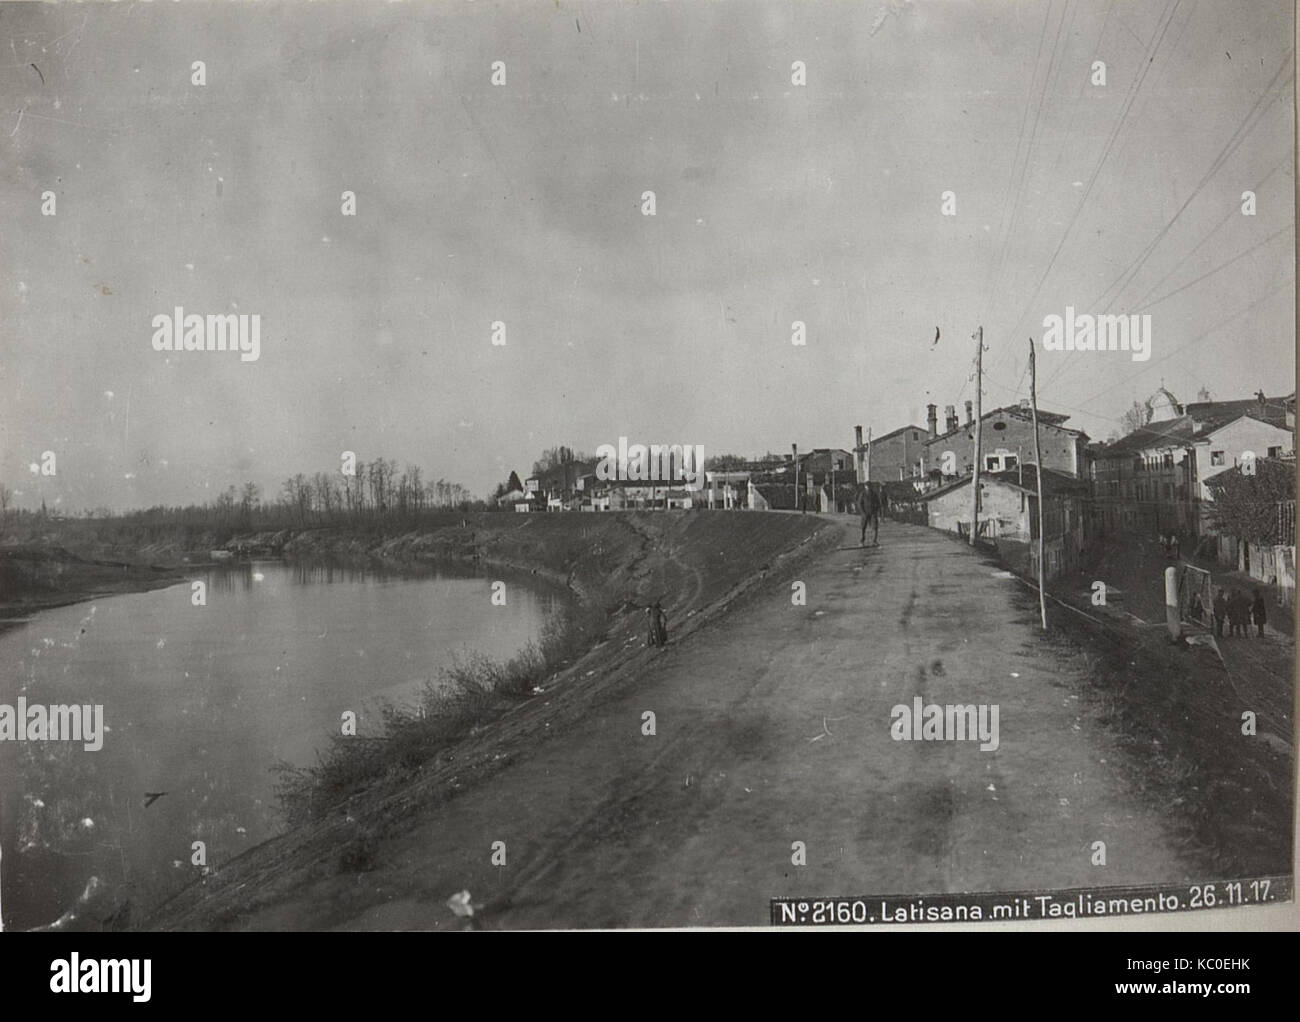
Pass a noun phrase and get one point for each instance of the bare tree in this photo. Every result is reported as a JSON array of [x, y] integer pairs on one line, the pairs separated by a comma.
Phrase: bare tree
[[1135, 418], [247, 501], [417, 488]]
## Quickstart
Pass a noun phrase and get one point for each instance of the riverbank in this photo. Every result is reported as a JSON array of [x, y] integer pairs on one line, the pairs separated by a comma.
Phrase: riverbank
[[697, 564], [36, 577]]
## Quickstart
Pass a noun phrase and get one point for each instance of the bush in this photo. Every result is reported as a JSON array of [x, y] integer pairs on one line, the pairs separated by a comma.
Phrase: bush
[[472, 691]]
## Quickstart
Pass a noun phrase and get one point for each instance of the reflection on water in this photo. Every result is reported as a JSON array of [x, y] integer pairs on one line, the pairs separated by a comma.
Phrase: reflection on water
[[200, 701]]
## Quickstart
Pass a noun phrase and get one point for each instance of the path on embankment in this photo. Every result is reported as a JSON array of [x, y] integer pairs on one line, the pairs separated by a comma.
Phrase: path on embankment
[[694, 826]]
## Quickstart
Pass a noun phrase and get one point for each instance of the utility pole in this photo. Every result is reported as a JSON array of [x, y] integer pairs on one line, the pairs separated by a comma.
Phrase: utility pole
[[979, 417], [1038, 467], [794, 455]]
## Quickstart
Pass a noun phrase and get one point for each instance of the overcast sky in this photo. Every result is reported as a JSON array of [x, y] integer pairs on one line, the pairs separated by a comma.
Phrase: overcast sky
[[522, 203]]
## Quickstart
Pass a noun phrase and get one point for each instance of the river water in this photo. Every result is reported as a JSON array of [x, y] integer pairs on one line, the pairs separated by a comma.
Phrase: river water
[[201, 702]]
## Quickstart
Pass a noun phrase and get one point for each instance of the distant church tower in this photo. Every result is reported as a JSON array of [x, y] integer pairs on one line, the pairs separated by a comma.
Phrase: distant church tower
[[1163, 406]]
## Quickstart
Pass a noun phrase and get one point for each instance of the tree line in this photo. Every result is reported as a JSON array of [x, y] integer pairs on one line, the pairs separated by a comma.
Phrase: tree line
[[376, 490]]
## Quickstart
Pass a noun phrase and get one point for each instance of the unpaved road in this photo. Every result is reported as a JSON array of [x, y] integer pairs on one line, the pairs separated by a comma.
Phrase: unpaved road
[[604, 826]]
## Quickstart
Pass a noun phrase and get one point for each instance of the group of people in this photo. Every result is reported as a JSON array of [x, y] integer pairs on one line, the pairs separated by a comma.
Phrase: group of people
[[1237, 610]]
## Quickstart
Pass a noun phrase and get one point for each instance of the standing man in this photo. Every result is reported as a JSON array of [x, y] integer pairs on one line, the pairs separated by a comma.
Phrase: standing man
[[1259, 612], [660, 624], [1235, 622], [1220, 607], [869, 507]]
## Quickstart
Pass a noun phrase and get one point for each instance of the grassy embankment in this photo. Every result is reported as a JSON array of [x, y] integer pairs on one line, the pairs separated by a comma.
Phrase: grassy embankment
[[363, 787]]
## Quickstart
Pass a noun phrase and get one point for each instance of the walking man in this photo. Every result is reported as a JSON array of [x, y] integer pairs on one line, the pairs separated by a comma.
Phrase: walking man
[[1220, 607], [1259, 612]]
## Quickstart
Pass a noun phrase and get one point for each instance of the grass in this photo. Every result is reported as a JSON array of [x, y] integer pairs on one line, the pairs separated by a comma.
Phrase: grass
[[473, 691]]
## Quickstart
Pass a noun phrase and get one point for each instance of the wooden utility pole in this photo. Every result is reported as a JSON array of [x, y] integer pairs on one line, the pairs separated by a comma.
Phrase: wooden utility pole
[[1038, 468], [794, 454], [979, 416]]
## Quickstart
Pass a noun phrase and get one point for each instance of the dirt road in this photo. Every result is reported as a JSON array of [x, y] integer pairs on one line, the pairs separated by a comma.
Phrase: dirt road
[[773, 726]]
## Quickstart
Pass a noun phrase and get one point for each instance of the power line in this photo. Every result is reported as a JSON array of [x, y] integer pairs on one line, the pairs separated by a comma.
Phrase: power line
[[1106, 151], [1253, 117], [1248, 124], [1221, 266], [1232, 211], [1148, 366]]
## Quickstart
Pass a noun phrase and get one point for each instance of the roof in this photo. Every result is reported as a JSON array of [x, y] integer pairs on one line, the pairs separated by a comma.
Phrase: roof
[[1053, 419], [779, 496], [901, 429], [1198, 423], [1173, 433], [1210, 430], [1209, 415], [820, 459], [1055, 484]]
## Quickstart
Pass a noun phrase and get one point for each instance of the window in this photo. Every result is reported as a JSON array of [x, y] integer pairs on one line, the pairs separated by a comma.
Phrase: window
[[915, 435], [1216, 457], [1275, 452], [992, 463], [1010, 461]]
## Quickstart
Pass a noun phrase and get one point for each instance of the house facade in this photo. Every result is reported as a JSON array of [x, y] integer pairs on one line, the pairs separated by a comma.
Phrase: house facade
[[897, 455], [1154, 479], [1008, 517], [1007, 440]]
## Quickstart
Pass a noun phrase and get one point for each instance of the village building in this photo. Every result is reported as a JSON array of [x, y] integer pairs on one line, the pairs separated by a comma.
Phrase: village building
[[897, 455], [726, 490], [1154, 479], [1008, 516], [1006, 440]]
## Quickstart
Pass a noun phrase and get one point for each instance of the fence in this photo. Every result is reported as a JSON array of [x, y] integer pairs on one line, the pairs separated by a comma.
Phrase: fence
[[1194, 584]]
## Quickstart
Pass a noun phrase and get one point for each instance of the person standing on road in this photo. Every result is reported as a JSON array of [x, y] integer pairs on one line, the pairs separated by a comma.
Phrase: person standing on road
[[1220, 607], [1259, 612], [1237, 609]]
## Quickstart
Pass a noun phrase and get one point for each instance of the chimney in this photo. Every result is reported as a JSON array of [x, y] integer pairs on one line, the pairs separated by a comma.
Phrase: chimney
[[970, 414], [931, 419], [1024, 404], [950, 418]]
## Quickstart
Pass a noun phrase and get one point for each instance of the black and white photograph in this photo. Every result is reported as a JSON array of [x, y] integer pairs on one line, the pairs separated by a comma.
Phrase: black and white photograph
[[487, 465]]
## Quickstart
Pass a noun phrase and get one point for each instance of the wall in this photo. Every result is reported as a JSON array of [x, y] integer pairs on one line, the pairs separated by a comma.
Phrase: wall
[[1060, 448], [1234, 439], [897, 454]]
